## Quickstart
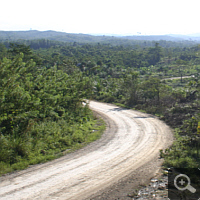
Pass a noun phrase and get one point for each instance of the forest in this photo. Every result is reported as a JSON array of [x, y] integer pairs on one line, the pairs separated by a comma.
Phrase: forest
[[44, 84]]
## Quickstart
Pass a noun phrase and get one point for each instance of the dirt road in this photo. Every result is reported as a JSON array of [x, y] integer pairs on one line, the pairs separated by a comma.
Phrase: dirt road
[[132, 140], [183, 77]]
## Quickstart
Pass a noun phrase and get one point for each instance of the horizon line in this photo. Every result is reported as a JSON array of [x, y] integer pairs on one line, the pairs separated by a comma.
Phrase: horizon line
[[112, 34]]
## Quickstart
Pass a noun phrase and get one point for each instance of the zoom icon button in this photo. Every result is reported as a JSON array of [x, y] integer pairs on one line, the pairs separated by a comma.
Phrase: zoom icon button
[[182, 182]]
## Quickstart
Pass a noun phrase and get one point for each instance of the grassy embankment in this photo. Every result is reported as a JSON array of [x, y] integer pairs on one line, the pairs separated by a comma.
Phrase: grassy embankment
[[58, 140]]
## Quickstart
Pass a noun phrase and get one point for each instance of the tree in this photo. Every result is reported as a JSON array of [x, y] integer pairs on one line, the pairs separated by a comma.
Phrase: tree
[[3, 51], [154, 54], [181, 64], [151, 89], [130, 87], [15, 49]]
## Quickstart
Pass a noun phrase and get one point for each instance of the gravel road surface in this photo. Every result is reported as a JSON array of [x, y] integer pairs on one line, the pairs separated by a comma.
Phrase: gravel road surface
[[128, 148]]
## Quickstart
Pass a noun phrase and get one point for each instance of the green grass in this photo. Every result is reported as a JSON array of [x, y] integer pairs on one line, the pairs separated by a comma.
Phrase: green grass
[[181, 154], [37, 147]]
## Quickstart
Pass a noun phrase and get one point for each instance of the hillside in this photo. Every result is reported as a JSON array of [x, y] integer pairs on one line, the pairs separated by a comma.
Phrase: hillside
[[86, 38], [50, 35]]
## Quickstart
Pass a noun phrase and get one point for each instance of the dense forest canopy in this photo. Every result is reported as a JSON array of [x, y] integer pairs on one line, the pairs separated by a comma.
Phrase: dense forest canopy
[[44, 82]]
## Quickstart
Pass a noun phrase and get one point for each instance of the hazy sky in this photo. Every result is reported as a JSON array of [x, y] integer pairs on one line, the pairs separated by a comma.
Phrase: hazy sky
[[102, 16]]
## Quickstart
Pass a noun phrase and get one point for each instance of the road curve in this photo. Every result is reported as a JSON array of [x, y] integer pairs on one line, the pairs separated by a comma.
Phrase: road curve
[[131, 140], [179, 77]]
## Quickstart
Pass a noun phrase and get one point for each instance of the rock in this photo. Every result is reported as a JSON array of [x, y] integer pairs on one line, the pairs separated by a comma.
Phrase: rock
[[166, 172], [162, 186], [133, 194], [156, 190], [154, 185], [154, 180], [130, 195]]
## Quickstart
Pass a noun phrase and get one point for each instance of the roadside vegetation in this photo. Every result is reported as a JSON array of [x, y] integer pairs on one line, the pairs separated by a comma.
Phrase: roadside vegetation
[[41, 112], [43, 89]]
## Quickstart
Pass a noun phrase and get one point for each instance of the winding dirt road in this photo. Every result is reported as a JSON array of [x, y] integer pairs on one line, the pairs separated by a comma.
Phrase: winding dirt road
[[131, 140]]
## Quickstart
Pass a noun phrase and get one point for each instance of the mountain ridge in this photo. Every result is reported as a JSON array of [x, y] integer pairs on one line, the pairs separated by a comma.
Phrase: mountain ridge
[[80, 37]]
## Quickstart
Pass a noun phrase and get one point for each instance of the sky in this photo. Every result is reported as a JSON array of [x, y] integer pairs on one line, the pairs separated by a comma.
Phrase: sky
[[126, 17]]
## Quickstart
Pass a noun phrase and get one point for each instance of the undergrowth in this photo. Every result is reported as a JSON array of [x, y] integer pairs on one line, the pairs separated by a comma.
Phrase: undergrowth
[[50, 141]]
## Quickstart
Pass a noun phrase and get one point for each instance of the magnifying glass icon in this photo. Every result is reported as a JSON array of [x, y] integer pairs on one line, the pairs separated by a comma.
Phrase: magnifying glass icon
[[182, 182]]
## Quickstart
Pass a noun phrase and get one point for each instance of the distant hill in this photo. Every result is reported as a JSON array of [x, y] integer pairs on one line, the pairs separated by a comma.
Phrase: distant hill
[[153, 37], [50, 35], [71, 37], [194, 37], [177, 40]]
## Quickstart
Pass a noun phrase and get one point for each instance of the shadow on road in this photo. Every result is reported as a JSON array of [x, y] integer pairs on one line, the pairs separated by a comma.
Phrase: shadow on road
[[118, 109]]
